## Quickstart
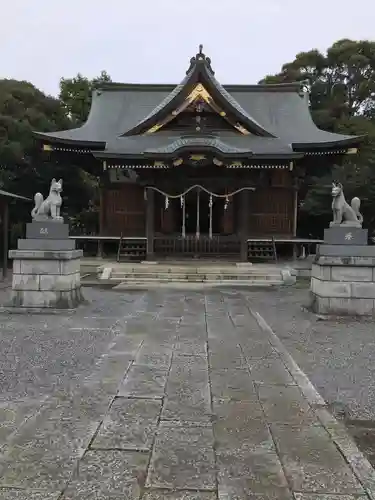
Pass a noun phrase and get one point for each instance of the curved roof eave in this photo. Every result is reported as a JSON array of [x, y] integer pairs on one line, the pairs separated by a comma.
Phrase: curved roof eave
[[334, 143], [66, 140]]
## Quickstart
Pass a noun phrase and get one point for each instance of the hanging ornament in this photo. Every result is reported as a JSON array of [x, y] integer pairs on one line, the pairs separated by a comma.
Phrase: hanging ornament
[[182, 200], [226, 202], [166, 202]]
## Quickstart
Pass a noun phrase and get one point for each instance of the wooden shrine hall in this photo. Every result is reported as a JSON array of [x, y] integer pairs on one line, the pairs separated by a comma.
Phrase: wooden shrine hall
[[198, 169]]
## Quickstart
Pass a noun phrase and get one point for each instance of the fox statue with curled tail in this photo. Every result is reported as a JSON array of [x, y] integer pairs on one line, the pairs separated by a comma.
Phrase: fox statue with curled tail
[[49, 208], [343, 213]]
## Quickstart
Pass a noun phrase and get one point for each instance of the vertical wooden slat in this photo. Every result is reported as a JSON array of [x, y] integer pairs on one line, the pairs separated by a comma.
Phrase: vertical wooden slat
[[102, 211], [295, 208], [150, 223], [244, 210]]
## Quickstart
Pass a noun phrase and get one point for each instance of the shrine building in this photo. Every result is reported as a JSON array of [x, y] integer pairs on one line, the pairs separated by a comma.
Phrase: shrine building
[[198, 169]]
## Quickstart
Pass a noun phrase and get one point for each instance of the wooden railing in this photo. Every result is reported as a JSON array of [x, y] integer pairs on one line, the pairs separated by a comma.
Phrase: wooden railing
[[192, 246]]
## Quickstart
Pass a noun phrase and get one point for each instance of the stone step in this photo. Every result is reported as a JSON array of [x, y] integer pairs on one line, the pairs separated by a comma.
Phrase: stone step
[[211, 274], [191, 277], [195, 285], [257, 279], [190, 271]]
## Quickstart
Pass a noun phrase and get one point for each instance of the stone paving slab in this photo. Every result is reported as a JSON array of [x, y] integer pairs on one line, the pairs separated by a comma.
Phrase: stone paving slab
[[129, 425], [252, 472], [12, 494], [144, 381], [312, 462], [188, 391], [285, 405], [108, 474], [239, 426], [183, 458], [312, 496], [232, 384], [153, 355], [44, 454], [13, 414], [269, 371], [179, 495], [183, 397]]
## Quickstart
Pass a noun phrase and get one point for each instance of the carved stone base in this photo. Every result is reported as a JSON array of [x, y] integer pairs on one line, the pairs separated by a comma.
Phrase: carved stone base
[[344, 235], [47, 229], [46, 279]]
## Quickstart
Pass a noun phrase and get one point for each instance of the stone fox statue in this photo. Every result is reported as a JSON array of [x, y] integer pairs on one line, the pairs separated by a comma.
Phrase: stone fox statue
[[49, 208], [343, 213]]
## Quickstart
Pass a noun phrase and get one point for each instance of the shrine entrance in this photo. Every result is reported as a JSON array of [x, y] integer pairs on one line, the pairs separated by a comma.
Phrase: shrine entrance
[[203, 214], [197, 223]]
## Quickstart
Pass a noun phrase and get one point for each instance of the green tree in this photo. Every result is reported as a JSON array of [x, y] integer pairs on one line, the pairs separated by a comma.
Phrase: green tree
[[24, 108], [75, 95], [23, 167], [341, 82], [342, 99]]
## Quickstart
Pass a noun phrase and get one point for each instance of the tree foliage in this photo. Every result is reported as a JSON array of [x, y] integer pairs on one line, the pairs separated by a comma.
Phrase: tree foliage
[[75, 95], [341, 84], [23, 168], [24, 108]]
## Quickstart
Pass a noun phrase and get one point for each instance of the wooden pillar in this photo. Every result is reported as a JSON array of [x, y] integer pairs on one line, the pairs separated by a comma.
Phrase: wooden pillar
[[227, 219], [102, 209], [150, 223], [102, 217], [5, 218], [243, 223], [295, 211]]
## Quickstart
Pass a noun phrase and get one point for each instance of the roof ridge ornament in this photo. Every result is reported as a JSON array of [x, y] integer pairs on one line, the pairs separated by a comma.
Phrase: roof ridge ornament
[[200, 57]]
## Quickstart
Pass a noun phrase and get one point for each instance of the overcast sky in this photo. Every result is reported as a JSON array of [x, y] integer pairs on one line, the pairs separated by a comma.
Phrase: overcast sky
[[153, 40]]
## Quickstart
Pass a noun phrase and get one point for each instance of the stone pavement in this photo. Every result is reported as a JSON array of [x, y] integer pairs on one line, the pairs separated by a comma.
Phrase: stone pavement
[[164, 395]]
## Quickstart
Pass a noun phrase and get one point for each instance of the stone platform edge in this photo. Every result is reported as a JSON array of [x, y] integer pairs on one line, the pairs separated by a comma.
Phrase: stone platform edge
[[361, 467], [45, 254], [36, 310]]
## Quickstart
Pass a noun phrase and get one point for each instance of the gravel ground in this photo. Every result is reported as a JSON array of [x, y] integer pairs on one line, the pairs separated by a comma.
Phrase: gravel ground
[[337, 355], [39, 354]]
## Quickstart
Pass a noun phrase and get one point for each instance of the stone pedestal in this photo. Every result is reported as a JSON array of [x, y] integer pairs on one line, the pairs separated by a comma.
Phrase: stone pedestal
[[343, 274], [46, 269]]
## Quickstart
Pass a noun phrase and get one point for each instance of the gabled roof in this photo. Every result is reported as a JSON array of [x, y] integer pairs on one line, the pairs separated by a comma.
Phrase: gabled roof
[[200, 73], [122, 114]]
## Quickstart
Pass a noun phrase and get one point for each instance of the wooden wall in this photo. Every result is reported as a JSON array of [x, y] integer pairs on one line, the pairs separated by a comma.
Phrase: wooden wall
[[271, 207], [124, 210]]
